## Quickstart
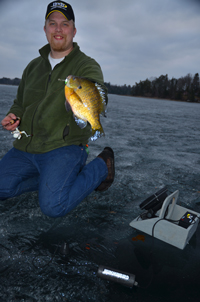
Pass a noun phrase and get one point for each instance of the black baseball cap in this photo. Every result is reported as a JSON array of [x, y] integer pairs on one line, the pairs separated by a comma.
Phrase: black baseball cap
[[61, 7]]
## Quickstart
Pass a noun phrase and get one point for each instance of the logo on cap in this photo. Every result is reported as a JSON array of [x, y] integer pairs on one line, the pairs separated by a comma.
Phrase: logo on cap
[[58, 5]]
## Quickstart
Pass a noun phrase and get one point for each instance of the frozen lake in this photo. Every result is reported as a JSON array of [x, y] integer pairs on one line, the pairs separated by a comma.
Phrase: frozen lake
[[156, 144]]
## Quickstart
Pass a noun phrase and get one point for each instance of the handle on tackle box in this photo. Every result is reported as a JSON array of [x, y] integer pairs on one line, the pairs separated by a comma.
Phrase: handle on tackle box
[[173, 197]]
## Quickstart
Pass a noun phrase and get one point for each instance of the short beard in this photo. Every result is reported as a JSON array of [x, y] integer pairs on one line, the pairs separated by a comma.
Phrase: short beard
[[56, 46]]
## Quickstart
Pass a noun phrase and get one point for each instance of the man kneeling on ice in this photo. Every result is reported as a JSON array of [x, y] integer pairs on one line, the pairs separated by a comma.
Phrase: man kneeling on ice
[[50, 153]]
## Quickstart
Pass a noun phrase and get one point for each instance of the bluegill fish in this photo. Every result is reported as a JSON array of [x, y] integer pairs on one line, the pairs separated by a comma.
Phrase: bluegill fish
[[87, 100]]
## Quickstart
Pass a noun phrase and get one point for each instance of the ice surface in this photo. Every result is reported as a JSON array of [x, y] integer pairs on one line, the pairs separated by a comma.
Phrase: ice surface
[[156, 143]]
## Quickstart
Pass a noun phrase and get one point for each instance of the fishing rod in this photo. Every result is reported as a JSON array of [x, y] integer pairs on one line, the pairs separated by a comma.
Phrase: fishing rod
[[16, 133], [11, 122]]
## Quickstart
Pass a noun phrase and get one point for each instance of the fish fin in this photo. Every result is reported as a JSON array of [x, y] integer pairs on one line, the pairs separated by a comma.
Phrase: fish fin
[[97, 134], [81, 123], [103, 99], [103, 112], [67, 106]]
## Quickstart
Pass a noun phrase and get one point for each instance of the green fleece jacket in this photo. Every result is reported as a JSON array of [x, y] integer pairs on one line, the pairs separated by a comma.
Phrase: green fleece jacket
[[40, 102]]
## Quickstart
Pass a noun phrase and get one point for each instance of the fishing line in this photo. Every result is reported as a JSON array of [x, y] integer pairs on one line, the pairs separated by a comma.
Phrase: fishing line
[[45, 265], [64, 258]]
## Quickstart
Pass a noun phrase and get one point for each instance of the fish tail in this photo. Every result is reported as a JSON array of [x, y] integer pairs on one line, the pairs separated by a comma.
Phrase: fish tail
[[97, 134]]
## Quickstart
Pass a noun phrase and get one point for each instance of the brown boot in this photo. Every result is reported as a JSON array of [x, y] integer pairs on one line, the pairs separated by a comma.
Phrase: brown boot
[[108, 156]]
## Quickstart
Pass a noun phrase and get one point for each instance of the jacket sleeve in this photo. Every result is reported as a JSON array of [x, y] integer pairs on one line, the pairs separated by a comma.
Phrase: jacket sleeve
[[91, 70]]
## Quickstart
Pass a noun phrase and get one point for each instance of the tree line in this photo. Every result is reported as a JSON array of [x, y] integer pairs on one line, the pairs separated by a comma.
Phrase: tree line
[[7, 81], [185, 88]]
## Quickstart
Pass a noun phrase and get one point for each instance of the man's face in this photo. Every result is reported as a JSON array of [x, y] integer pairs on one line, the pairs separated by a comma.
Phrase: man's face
[[59, 32]]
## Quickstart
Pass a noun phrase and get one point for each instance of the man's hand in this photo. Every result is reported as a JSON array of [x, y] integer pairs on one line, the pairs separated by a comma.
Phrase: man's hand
[[10, 122]]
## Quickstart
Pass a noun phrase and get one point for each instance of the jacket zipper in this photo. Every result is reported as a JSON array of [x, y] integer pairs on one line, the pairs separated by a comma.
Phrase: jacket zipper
[[49, 80]]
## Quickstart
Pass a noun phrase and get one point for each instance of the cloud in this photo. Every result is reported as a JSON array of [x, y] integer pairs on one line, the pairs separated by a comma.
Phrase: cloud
[[132, 40]]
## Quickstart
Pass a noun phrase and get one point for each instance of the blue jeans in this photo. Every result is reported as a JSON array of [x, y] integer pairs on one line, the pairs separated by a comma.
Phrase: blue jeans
[[60, 176]]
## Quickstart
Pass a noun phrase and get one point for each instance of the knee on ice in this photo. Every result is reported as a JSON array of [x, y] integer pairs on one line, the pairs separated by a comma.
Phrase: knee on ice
[[52, 212]]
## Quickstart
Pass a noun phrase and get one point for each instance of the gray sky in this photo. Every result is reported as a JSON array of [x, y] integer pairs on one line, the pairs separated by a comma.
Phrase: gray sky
[[131, 39]]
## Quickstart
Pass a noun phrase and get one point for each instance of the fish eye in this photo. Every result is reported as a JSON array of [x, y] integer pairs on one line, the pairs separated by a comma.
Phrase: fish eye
[[74, 78], [79, 87]]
